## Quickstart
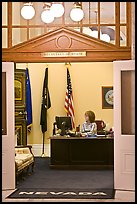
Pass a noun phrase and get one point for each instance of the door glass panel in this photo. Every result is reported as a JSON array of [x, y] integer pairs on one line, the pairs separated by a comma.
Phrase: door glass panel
[[87, 31], [19, 35], [4, 112], [4, 37], [91, 31], [77, 28], [123, 37], [68, 7], [36, 20], [4, 13], [85, 7], [17, 19], [128, 102], [123, 12], [93, 14], [34, 32], [49, 29], [111, 34], [107, 12]]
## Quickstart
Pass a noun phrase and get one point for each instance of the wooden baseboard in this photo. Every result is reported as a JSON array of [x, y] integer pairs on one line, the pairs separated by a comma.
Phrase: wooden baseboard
[[83, 167]]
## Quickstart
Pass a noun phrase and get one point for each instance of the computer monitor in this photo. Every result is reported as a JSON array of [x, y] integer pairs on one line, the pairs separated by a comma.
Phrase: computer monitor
[[64, 120]]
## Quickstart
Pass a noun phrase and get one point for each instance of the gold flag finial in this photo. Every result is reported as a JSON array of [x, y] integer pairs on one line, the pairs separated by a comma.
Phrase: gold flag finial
[[67, 64]]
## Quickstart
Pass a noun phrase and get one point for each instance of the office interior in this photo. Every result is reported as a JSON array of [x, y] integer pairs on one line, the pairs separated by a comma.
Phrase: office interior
[[88, 74]]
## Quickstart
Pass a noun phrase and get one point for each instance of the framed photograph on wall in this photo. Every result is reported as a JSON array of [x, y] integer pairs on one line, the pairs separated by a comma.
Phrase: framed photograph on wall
[[107, 97]]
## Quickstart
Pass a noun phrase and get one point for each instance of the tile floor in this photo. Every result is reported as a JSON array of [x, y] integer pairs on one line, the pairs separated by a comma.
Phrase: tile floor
[[120, 196]]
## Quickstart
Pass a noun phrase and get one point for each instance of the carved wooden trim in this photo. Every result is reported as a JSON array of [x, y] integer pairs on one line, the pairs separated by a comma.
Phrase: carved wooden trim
[[65, 40]]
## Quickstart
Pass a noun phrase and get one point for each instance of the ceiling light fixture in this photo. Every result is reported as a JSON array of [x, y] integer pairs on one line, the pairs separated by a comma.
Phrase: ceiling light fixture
[[105, 37], [57, 9], [94, 33], [47, 16], [77, 13], [27, 11]]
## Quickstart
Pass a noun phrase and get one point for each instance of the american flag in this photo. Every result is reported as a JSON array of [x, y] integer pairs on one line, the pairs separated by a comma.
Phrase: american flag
[[69, 106]]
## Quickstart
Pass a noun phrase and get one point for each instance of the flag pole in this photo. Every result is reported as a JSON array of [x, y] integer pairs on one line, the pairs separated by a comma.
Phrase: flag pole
[[43, 154]]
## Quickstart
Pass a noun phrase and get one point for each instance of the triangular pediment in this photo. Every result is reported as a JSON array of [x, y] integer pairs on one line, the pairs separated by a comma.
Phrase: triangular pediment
[[63, 39], [75, 45]]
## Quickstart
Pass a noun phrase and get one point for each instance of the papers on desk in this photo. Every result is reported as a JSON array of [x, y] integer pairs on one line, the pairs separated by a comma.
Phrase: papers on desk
[[88, 134], [92, 135], [101, 135]]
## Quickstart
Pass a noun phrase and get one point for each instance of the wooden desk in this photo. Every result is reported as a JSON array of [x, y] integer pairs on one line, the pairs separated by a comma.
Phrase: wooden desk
[[81, 152]]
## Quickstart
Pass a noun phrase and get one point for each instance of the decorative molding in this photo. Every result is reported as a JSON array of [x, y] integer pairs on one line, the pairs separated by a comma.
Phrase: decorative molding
[[43, 41], [65, 40], [128, 157], [37, 149]]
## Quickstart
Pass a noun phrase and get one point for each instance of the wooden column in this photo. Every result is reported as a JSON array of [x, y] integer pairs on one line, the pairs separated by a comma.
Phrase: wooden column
[[27, 29], [128, 31], [117, 19], [98, 20], [133, 30], [9, 24]]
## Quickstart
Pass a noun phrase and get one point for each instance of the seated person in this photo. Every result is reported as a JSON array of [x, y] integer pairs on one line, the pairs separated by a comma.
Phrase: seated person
[[89, 127]]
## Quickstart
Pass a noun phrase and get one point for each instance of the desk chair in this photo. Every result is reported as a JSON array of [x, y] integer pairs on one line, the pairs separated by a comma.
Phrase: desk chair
[[100, 127]]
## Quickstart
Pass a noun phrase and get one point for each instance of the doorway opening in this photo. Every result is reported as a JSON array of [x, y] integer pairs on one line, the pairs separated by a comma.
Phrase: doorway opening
[[87, 80]]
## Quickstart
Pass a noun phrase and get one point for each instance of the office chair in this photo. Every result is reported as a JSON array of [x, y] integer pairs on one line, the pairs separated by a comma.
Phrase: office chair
[[100, 127]]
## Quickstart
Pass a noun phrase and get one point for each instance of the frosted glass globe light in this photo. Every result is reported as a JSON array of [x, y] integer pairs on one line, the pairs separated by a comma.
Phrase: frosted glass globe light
[[47, 16], [87, 31], [27, 11], [94, 33], [76, 14], [105, 37], [57, 9]]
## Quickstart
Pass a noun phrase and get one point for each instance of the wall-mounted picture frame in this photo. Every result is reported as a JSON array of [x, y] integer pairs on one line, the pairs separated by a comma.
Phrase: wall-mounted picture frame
[[107, 97], [20, 87]]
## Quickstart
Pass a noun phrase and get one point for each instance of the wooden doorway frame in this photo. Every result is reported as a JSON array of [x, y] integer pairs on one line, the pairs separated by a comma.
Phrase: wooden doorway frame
[[65, 40]]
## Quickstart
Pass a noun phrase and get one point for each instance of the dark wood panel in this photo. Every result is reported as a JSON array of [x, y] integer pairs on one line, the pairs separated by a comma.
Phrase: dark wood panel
[[20, 106], [82, 152], [92, 153], [20, 130], [60, 152], [92, 56]]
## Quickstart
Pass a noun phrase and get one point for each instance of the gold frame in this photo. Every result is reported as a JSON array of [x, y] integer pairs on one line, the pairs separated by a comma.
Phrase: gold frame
[[20, 101], [105, 104], [18, 90]]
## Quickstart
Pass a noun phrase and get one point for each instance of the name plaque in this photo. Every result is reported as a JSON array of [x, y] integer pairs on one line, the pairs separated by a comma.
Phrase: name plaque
[[63, 54]]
